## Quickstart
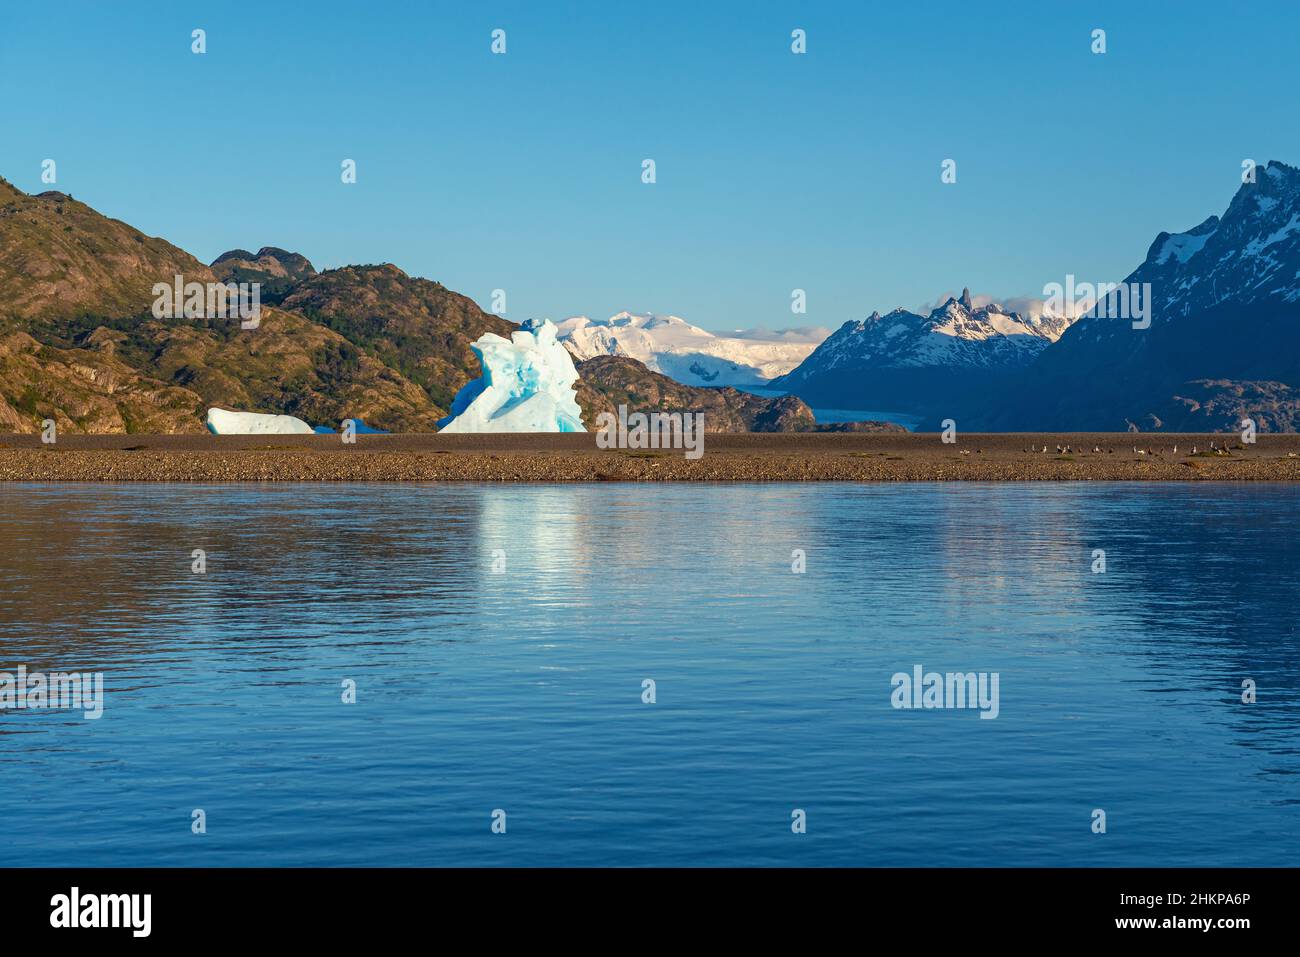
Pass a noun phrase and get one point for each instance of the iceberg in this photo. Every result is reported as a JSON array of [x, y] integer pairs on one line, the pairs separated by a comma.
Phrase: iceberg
[[526, 385], [225, 422], [359, 427]]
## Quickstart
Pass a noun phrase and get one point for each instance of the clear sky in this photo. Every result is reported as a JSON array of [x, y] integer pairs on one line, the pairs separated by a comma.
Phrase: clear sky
[[775, 171]]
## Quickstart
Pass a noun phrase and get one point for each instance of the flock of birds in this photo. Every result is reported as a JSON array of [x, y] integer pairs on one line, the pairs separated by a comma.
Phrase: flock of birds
[[1215, 449]]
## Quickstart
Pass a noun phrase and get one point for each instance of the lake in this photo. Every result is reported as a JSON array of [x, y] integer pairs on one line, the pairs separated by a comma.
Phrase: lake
[[825, 416], [500, 640]]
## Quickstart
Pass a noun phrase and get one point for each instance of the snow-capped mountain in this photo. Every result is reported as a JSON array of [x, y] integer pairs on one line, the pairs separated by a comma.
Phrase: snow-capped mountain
[[1223, 340], [1249, 255], [681, 351], [889, 358]]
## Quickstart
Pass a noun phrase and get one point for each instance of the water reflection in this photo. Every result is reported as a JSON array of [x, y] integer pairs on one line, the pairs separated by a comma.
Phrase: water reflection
[[481, 684]]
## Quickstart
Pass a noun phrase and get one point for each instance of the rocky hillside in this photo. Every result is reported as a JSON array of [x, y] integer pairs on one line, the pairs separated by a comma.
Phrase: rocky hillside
[[86, 388], [609, 381], [416, 326], [276, 270], [79, 342], [1219, 405], [60, 259]]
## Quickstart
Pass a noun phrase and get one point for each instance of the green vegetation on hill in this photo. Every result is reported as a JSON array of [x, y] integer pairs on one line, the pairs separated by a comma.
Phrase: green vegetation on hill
[[276, 270], [416, 326]]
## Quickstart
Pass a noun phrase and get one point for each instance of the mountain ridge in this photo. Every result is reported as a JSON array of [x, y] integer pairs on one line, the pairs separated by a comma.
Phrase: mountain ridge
[[682, 351], [80, 343], [1222, 310], [903, 360]]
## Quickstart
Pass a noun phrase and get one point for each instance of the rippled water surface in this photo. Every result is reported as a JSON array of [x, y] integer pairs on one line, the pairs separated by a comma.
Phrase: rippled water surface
[[522, 691]]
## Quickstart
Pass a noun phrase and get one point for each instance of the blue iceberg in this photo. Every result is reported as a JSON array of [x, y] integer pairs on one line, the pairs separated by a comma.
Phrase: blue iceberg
[[526, 385], [360, 427]]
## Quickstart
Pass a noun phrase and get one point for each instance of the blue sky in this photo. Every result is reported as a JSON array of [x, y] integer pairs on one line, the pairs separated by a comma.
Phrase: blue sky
[[775, 171]]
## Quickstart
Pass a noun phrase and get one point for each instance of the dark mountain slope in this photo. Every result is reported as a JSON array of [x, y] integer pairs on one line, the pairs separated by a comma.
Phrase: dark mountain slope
[[1225, 331]]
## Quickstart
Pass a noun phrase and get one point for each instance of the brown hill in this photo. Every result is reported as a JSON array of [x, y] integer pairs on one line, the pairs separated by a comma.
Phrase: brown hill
[[86, 389], [609, 381], [276, 270], [61, 259], [79, 343], [416, 326]]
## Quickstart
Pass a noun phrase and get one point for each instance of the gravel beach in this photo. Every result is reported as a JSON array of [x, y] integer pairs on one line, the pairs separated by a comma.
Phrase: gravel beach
[[798, 457]]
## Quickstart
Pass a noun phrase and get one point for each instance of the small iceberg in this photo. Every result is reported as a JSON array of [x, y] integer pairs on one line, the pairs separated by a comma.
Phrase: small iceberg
[[526, 385], [225, 422], [358, 426]]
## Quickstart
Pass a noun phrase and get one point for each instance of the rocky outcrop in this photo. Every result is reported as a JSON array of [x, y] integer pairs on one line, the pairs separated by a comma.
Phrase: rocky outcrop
[[610, 381]]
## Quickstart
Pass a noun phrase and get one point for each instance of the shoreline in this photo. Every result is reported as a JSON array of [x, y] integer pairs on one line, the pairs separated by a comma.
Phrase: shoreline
[[574, 457]]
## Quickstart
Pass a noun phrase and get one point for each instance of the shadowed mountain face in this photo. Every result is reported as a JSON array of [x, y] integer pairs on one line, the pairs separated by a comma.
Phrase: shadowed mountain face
[[913, 363], [1221, 404], [1224, 341]]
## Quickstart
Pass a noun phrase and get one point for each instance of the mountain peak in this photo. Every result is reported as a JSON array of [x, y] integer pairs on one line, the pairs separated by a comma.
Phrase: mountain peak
[[965, 299], [1279, 169], [686, 353], [233, 254], [276, 270], [1273, 184]]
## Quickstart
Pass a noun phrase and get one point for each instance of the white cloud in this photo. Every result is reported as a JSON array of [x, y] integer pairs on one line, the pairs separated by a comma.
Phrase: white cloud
[[761, 334], [1031, 306]]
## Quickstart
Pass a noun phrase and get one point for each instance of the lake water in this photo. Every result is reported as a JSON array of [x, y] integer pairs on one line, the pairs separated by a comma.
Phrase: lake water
[[522, 690], [824, 415]]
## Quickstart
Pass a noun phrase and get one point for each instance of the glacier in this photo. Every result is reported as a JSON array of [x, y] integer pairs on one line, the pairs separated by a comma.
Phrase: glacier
[[689, 354], [225, 422], [526, 385]]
